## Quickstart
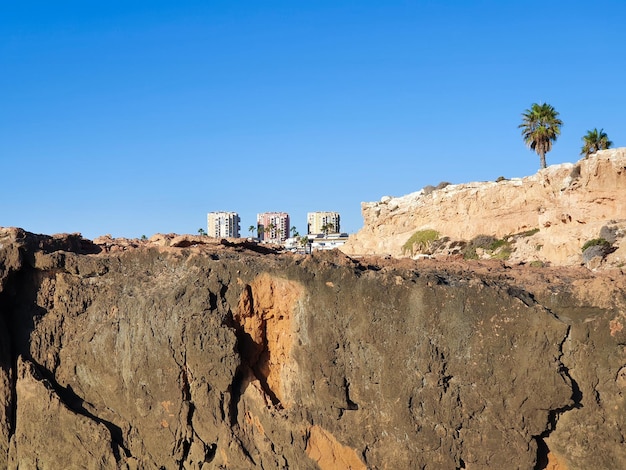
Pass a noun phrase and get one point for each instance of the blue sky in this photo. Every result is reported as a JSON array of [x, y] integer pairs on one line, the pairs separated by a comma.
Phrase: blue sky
[[139, 117]]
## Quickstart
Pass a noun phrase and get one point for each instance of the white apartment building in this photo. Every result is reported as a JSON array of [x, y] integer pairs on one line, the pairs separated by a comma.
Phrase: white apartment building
[[223, 224], [273, 227], [323, 222]]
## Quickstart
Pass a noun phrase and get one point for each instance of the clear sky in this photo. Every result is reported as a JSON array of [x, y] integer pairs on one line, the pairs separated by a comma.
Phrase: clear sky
[[138, 117]]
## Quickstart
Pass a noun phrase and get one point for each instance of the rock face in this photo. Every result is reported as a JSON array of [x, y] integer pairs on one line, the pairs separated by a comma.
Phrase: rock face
[[201, 356], [566, 204]]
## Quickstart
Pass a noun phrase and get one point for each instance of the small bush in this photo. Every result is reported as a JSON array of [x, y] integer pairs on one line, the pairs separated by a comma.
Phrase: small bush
[[420, 242], [497, 244], [479, 241], [483, 241], [499, 248], [596, 242], [428, 189], [528, 233], [537, 264], [442, 185], [500, 179], [575, 173], [594, 248], [504, 253], [470, 252]]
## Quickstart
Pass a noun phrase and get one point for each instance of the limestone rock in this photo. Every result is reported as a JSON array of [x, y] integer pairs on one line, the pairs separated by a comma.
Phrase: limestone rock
[[568, 203]]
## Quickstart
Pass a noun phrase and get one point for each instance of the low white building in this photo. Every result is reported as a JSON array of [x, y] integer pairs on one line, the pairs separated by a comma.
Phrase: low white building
[[327, 242]]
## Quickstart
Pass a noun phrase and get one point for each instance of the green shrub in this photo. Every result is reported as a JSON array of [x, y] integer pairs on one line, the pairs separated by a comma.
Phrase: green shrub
[[528, 233], [470, 252], [596, 242], [483, 241], [479, 241], [537, 264], [504, 253], [598, 247], [497, 244], [420, 242], [500, 178], [498, 248]]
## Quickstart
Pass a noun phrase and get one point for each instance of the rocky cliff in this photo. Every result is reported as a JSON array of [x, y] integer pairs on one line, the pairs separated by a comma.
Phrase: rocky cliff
[[179, 353], [557, 210]]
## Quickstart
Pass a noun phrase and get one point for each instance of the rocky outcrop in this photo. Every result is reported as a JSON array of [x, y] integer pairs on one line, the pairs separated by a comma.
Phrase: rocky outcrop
[[203, 355], [566, 205]]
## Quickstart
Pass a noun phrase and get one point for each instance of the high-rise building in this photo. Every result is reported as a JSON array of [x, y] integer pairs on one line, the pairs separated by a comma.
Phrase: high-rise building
[[273, 227], [223, 224], [323, 222]]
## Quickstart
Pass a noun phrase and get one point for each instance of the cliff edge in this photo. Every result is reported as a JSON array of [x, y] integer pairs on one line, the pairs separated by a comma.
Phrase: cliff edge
[[547, 217], [182, 354]]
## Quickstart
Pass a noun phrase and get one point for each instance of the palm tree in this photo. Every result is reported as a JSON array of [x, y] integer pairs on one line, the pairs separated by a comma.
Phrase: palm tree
[[294, 232], [201, 232], [268, 230], [595, 140], [540, 127], [251, 229], [326, 228]]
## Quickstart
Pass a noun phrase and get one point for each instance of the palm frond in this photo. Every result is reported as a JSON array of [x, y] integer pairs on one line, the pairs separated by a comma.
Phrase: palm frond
[[595, 140]]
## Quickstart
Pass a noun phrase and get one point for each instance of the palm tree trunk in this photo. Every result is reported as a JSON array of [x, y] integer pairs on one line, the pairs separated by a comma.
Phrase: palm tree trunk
[[542, 160]]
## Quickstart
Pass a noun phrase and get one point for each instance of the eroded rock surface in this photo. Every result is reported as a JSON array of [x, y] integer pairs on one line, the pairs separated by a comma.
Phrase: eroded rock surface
[[561, 208], [211, 355]]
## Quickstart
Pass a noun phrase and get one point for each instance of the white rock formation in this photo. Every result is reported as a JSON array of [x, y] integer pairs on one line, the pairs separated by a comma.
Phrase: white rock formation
[[568, 203]]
